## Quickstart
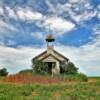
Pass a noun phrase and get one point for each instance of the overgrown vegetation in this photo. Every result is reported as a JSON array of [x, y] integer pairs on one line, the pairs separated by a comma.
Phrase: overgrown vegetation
[[68, 71], [35, 78], [78, 77], [63, 91], [69, 68], [26, 71], [40, 67]]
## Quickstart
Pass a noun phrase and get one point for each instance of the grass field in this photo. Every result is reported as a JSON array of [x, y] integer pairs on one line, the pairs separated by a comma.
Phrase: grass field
[[62, 91]]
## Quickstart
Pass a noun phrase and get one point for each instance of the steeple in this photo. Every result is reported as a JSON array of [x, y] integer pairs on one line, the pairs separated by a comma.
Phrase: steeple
[[50, 40]]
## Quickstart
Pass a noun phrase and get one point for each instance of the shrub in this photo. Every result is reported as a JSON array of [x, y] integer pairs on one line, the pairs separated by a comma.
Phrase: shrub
[[40, 67], [69, 68], [74, 77], [3, 72], [83, 77], [26, 71]]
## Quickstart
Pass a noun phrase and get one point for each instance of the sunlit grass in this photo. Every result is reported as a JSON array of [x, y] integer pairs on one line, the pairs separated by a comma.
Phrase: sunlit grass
[[62, 91]]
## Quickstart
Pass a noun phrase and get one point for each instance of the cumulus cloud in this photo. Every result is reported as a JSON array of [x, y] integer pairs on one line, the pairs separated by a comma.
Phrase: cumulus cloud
[[16, 12], [11, 13], [98, 15], [74, 1], [59, 24], [16, 59], [87, 15], [6, 27], [78, 10], [98, 9], [86, 58], [51, 6], [37, 35], [96, 33], [26, 14], [1, 11]]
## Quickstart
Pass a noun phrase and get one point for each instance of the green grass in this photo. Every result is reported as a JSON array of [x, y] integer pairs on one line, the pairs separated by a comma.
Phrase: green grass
[[63, 91], [74, 77]]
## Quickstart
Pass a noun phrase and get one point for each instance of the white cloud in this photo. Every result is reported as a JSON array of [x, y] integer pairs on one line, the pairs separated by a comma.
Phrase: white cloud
[[51, 6], [27, 14], [59, 24], [11, 12], [87, 15], [96, 33], [81, 13], [98, 7], [5, 28], [98, 14], [16, 59], [74, 1], [1, 11], [86, 58], [20, 13], [78, 10], [37, 35]]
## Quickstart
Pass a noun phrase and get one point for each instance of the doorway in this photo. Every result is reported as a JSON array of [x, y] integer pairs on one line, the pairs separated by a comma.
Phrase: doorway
[[50, 67]]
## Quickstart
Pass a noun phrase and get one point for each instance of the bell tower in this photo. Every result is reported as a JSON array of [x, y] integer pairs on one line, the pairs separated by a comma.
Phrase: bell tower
[[50, 43]]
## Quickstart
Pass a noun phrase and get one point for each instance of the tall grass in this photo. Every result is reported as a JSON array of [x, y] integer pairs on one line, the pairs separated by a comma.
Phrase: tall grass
[[29, 78], [74, 77], [63, 91], [34, 78]]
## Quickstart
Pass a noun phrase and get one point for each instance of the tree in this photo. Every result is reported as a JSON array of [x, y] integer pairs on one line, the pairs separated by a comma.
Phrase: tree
[[69, 68], [3, 72], [40, 67]]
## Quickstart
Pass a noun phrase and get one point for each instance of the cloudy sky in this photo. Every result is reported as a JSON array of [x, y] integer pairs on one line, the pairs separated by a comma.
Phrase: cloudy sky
[[75, 24]]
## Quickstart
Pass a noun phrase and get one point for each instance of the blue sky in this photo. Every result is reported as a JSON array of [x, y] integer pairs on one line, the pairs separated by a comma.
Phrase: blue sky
[[24, 24]]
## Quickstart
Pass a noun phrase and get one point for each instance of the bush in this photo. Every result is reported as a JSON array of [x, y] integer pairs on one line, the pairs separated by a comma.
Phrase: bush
[[3, 72], [69, 68], [40, 67], [83, 77], [74, 77], [26, 71]]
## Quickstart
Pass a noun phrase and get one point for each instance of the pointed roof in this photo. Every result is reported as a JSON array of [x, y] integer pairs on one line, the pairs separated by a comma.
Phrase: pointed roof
[[61, 55], [55, 55], [43, 53], [51, 56]]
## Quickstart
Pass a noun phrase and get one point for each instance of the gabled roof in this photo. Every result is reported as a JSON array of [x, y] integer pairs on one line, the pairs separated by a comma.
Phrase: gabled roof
[[52, 56], [40, 55], [46, 55], [61, 55]]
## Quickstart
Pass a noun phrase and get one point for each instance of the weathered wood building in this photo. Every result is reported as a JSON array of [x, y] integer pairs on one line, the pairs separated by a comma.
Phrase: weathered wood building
[[52, 57]]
